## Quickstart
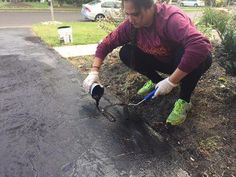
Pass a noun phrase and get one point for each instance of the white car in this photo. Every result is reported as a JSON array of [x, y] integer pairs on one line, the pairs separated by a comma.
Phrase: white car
[[192, 3], [99, 9]]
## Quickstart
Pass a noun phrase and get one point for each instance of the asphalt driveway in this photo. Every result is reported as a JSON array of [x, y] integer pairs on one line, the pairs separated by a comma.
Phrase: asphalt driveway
[[49, 127]]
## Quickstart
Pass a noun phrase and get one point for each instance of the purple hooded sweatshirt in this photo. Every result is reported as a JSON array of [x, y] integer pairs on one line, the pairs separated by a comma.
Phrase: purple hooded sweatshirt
[[170, 31]]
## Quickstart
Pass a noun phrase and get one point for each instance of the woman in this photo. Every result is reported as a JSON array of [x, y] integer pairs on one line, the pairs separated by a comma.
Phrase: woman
[[158, 38]]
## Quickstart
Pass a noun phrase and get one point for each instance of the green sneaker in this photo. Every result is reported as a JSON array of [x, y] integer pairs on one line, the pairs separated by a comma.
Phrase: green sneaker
[[147, 88], [179, 113]]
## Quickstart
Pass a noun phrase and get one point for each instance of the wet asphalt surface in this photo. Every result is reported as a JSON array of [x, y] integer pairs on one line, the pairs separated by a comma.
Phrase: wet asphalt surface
[[49, 127]]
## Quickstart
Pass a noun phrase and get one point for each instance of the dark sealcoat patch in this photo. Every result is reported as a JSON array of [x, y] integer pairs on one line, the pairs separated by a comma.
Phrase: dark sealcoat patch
[[212, 114]]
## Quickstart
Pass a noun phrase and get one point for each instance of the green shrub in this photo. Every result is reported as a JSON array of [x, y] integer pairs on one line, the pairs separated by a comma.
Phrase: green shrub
[[110, 23], [217, 19], [225, 24], [229, 41], [219, 3], [206, 30]]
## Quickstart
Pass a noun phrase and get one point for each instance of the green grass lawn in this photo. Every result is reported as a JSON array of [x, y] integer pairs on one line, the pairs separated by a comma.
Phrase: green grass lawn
[[38, 5], [83, 33]]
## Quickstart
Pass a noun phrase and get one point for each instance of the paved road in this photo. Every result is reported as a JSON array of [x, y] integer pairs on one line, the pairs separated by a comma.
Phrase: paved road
[[16, 19], [49, 127], [9, 19]]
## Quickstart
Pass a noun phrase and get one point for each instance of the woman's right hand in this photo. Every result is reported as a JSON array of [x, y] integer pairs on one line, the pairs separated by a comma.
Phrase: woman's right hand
[[90, 79]]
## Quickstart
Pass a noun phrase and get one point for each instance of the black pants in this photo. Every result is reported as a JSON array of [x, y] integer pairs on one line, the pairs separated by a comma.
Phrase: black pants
[[148, 65]]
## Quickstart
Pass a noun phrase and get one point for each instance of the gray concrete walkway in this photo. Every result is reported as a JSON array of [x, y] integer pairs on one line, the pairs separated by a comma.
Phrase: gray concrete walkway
[[76, 50], [49, 127]]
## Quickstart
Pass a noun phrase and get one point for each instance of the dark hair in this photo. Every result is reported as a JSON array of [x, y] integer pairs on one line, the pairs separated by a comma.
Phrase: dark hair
[[139, 4]]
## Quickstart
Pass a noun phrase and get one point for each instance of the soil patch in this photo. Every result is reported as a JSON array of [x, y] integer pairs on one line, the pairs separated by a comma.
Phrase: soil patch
[[207, 139]]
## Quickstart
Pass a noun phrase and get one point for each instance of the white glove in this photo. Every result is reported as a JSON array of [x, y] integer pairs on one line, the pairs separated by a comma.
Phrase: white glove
[[164, 87], [90, 79]]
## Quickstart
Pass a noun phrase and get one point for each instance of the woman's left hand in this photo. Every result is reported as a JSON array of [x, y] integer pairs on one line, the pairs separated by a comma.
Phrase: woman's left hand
[[164, 87]]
